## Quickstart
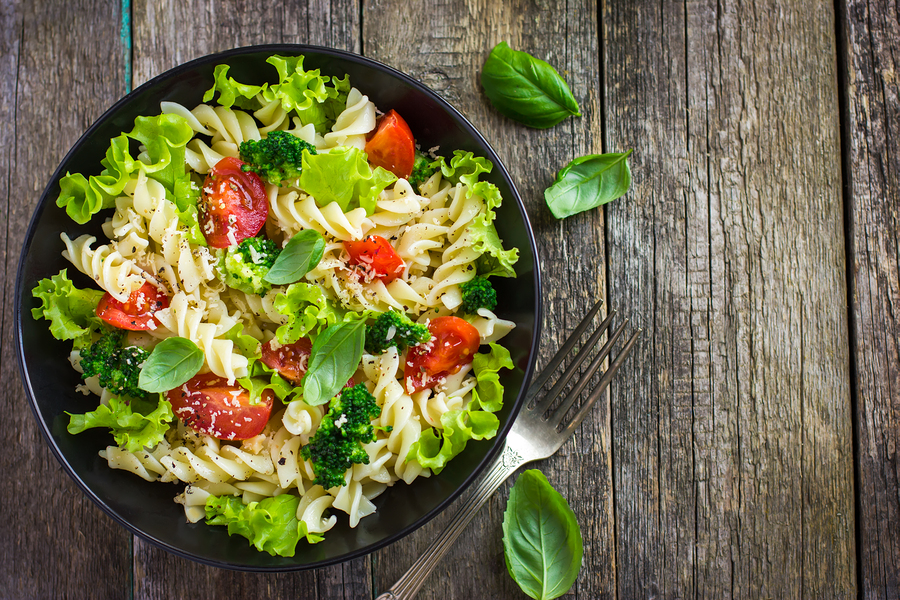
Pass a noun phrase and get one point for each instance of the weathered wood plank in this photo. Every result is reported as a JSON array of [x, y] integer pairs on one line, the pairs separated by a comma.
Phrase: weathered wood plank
[[869, 58], [732, 443], [52, 537], [451, 41], [160, 43]]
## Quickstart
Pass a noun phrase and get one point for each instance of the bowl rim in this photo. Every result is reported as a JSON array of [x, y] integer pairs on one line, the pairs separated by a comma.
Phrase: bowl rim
[[175, 72]]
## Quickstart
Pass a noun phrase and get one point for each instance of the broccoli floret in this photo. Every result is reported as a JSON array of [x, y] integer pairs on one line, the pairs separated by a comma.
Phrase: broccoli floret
[[117, 368], [337, 443], [244, 266], [478, 293], [276, 158], [422, 170], [394, 329]]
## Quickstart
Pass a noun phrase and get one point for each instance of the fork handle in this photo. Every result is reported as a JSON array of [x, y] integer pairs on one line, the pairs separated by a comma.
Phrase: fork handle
[[506, 463]]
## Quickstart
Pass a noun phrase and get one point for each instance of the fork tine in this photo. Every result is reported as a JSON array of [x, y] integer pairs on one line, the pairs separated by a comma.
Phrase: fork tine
[[563, 352], [556, 418], [604, 382], [541, 407]]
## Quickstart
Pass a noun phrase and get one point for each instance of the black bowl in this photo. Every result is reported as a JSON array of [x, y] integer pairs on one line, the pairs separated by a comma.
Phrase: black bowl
[[147, 508]]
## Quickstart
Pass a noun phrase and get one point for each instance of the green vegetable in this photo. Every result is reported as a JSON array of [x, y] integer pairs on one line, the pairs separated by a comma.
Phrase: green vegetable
[[307, 309], [587, 182], [261, 378], [335, 356], [541, 538], [276, 158], [526, 89], [478, 293], [494, 260], [392, 328], [164, 138], [300, 256], [488, 393], [72, 312], [423, 169], [173, 362], [245, 267], [135, 424], [116, 368], [231, 92], [271, 525], [434, 447], [307, 93], [344, 176], [337, 443]]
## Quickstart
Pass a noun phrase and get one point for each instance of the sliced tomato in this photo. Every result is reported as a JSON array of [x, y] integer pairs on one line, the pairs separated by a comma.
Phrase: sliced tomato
[[209, 405], [233, 204], [392, 146], [376, 255], [453, 344], [135, 314], [290, 360]]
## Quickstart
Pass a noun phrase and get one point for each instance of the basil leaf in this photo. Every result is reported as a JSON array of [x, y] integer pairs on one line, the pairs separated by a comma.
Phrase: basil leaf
[[334, 359], [587, 182], [300, 256], [541, 538], [172, 362], [526, 89]]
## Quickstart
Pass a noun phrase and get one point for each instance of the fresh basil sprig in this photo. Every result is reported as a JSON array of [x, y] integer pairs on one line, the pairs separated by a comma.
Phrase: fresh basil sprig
[[333, 360], [172, 362], [300, 256], [526, 89], [541, 538], [587, 182]]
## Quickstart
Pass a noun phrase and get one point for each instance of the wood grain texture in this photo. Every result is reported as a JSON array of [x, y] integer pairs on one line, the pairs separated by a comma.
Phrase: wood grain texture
[[451, 41], [51, 536], [870, 56], [732, 443]]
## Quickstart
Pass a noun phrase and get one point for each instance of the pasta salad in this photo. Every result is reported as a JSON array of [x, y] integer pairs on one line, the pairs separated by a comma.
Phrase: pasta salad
[[294, 308]]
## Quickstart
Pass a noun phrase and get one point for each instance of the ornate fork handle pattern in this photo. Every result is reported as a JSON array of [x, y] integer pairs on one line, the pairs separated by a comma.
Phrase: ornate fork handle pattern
[[506, 463]]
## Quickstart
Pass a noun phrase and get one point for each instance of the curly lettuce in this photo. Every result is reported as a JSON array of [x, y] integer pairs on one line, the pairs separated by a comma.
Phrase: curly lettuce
[[70, 310], [307, 309], [163, 138], [344, 176], [134, 423], [434, 447], [271, 525]]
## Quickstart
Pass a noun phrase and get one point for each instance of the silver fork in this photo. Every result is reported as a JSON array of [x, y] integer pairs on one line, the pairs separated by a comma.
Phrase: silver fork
[[535, 435]]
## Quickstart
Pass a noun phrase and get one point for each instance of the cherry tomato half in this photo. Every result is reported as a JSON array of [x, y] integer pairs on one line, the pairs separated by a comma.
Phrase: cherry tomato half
[[209, 405], [290, 360], [453, 344], [377, 256], [392, 146], [136, 313], [233, 204]]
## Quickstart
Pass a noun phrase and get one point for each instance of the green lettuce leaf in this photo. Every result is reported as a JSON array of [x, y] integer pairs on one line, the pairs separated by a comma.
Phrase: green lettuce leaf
[[344, 176], [307, 93], [435, 448], [231, 92], [488, 393], [261, 378], [135, 423], [494, 260], [271, 525], [71, 311], [307, 309], [82, 198], [164, 138]]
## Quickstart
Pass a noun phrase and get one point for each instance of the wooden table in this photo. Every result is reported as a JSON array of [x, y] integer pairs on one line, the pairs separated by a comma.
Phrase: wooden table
[[749, 448]]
